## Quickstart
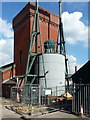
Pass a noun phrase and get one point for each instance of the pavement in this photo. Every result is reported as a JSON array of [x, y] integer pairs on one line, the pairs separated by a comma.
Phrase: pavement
[[0, 108], [7, 113], [58, 114]]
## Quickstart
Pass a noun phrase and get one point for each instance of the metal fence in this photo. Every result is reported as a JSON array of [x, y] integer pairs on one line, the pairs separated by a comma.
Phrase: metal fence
[[81, 97], [16, 96], [33, 98], [34, 94]]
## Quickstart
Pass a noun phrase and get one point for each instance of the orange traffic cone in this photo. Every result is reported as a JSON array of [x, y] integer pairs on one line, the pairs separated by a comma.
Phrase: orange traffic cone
[[81, 111]]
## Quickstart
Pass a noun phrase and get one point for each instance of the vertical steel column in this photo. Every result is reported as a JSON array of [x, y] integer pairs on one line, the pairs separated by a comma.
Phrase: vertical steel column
[[60, 28], [34, 55], [76, 98], [62, 41], [89, 99], [78, 102], [86, 99], [39, 95], [36, 39], [56, 90], [80, 96], [42, 55], [31, 96], [73, 98], [83, 97]]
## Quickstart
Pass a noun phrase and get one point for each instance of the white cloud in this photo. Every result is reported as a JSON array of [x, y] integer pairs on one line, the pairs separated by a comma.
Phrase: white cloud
[[6, 29], [5, 59], [74, 29], [2, 43], [72, 60], [6, 51], [6, 44]]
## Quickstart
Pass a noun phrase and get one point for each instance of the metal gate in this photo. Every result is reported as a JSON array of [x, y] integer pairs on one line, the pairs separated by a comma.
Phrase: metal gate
[[34, 94], [81, 97]]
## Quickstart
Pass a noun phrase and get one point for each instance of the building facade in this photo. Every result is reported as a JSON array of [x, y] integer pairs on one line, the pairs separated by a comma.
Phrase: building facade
[[7, 73], [81, 92], [22, 25]]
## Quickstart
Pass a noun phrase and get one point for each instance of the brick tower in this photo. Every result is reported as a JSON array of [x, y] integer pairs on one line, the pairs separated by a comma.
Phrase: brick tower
[[22, 25]]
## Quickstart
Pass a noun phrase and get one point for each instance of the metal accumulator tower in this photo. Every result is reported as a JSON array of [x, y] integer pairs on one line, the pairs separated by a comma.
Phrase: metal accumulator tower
[[31, 77]]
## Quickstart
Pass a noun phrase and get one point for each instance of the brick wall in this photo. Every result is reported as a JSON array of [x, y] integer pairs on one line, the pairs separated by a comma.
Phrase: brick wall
[[22, 25], [8, 74]]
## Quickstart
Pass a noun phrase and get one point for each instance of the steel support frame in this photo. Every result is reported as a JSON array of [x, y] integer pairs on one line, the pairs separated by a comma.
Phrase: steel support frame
[[34, 38], [62, 41]]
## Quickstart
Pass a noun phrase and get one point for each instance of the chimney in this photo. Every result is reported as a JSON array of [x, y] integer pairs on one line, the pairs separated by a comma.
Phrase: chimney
[[75, 69]]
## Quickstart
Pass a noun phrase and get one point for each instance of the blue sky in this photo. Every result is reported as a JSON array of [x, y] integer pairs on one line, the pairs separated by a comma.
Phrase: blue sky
[[9, 10], [89, 31], [77, 51]]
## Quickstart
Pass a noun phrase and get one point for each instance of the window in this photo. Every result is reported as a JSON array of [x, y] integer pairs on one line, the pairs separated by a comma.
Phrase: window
[[21, 57]]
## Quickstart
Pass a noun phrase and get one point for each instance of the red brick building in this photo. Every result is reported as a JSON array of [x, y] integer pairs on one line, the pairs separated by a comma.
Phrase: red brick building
[[22, 25], [7, 72]]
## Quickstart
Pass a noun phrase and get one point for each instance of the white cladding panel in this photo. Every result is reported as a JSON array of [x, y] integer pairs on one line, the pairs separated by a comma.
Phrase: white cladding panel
[[55, 65]]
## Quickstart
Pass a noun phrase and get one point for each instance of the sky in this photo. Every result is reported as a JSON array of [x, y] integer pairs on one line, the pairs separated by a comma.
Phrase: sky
[[75, 26]]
